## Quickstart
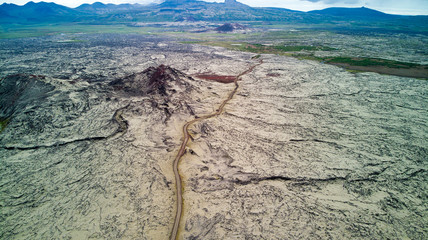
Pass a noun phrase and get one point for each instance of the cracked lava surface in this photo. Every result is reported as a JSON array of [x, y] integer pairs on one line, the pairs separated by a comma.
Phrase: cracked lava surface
[[304, 150]]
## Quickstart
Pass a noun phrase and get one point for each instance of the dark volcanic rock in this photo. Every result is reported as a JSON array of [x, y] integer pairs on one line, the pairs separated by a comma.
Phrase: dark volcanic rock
[[17, 91], [162, 80], [231, 27], [42, 111]]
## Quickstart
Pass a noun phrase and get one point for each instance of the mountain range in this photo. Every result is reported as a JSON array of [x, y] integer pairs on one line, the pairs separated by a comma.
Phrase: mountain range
[[179, 10]]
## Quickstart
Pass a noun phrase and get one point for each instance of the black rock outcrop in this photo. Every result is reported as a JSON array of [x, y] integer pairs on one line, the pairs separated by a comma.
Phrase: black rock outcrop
[[162, 80], [19, 90], [231, 27]]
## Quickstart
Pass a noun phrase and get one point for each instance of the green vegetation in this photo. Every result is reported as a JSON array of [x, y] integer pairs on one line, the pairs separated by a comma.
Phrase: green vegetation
[[190, 42], [362, 62], [365, 62], [260, 48], [352, 64], [22, 31], [207, 36], [37, 30], [303, 48], [303, 33], [378, 65], [354, 71], [307, 57], [3, 123]]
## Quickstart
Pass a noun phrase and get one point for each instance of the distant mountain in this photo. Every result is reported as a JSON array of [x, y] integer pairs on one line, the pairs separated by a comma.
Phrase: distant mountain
[[37, 12], [101, 8], [352, 13], [366, 19], [195, 10], [5, 9], [230, 10]]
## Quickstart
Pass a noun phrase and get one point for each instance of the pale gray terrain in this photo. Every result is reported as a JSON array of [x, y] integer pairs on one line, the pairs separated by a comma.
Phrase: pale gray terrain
[[303, 151], [329, 155]]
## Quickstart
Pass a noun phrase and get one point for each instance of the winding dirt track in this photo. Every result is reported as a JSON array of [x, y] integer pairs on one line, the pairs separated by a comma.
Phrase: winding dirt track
[[179, 190]]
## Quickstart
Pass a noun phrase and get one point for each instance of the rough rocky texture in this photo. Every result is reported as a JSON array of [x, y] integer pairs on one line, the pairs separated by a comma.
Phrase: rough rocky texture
[[155, 80], [304, 150], [312, 152], [231, 27], [98, 164]]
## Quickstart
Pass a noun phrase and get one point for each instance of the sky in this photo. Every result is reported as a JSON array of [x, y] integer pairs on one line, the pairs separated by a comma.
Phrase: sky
[[404, 7]]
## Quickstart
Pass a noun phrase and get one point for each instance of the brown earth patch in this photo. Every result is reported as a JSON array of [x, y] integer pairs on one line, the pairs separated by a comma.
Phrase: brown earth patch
[[217, 78]]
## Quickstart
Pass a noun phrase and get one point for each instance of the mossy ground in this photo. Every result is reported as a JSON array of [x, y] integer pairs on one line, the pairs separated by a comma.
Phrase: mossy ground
[[23, 31], [261, 48], [3, 123], [361, 61]]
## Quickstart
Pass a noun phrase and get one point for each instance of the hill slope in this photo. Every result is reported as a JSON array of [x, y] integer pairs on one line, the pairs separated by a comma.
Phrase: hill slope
[[362, 12], [228, 11], [38, 12]]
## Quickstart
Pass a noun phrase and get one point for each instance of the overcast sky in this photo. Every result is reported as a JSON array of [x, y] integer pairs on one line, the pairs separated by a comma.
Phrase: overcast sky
[[407, 7]]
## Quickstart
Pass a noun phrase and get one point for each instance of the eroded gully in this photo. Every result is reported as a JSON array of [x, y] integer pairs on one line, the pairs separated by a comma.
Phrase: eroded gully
[[179, 190]]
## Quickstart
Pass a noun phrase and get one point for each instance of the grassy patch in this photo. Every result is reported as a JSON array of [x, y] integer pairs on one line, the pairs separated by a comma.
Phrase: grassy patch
[[190, 42], [303, 48], [354, 71], [360, 61], [378, 65], [3, 123], [307, 57], [260, 48], [37, 30], [22, 31]]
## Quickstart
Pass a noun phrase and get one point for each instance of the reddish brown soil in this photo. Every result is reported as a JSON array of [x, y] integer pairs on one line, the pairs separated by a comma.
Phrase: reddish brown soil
[[217, 78]]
